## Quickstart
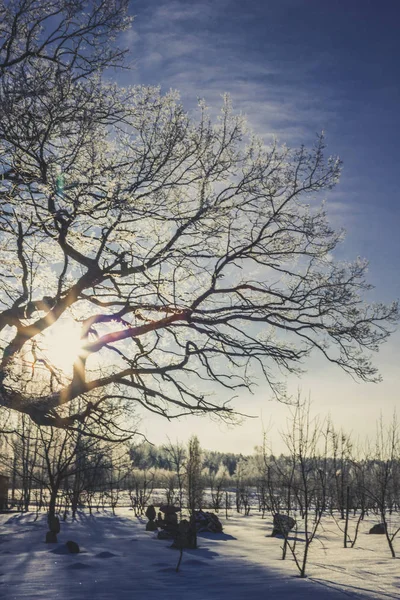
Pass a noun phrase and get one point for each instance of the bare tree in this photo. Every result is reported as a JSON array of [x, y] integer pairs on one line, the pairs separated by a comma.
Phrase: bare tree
[[176, 457], [116, 475], [385, 474], [194, 483], [307, 443], [217, 482], [341, 452], [58, 468], [56, 451], [19, 457], [172, 242], [94, 478], [345, 492], [243, 485], [91, 471], [59, 32], [261, 463], [170, 486], [140, 484]]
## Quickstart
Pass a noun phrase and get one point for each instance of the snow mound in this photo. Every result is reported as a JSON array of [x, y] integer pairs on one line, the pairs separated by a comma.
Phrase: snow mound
[[78, 566]]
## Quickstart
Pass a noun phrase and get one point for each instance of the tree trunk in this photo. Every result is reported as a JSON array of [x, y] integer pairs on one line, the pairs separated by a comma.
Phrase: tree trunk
[[346, 524]]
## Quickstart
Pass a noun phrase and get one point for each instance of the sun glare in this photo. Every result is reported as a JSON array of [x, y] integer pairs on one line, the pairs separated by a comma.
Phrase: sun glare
[[63, 344]]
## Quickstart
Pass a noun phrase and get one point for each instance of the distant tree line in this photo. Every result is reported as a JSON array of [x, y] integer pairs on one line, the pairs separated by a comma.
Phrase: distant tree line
[[149, 456]]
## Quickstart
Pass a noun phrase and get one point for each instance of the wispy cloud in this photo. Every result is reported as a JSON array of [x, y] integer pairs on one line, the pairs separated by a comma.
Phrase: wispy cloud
[[174, 44], [203, 49]]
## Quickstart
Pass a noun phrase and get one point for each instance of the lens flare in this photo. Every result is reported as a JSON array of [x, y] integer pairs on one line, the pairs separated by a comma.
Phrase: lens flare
[[63, 344]]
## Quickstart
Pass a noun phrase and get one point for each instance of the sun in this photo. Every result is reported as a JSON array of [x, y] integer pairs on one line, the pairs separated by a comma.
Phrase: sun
[[62, 344]]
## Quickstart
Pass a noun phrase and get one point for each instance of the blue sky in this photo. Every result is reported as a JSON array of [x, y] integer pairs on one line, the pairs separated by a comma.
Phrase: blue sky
[[296, 67]]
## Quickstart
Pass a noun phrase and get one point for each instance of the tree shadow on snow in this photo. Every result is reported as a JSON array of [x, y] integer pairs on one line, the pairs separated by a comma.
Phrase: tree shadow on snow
[[208, 535], [27, 519]]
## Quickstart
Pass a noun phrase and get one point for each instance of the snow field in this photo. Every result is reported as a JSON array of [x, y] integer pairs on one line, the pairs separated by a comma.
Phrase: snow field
[[119, 560]]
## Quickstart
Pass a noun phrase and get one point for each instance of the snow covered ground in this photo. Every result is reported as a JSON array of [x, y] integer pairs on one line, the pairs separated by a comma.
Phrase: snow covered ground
[[119, 560]]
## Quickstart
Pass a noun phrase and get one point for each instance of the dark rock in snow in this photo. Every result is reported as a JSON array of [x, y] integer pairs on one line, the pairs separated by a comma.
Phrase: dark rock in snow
[[186, 536], [379, 528], [169, 525], [171, 521], [282, 524], [169, 509], [206, 521], [73, 547], [51, 537], [164, 534], [151, 513]]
